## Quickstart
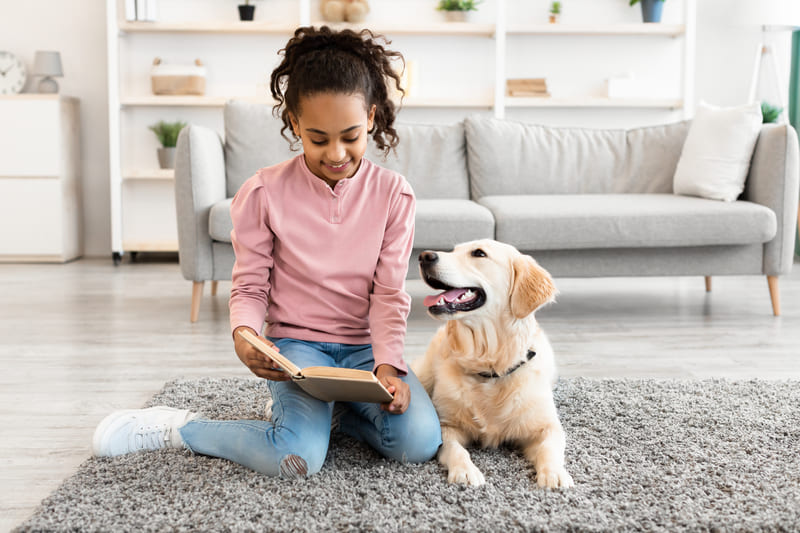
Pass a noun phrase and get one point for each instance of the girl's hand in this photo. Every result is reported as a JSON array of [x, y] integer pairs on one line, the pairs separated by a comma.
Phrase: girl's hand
[[387, 374], [258, 363]]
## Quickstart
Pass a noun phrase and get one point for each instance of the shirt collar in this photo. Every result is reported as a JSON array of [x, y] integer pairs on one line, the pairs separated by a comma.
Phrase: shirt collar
[[341, 185]]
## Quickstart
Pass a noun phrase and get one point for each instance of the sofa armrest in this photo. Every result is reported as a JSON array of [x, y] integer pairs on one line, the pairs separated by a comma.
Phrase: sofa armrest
[[199, 184], [773, 181]]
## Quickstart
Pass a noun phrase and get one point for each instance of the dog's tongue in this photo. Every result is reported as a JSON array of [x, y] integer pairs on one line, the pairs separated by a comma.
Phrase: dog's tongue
[[449, 297]]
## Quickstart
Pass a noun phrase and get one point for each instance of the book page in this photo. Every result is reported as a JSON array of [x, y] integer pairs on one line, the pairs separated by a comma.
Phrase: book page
[[286, 365], [341, 389]]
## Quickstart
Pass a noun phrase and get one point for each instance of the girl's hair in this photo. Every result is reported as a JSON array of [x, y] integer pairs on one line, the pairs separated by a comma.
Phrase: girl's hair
[[325, 61]]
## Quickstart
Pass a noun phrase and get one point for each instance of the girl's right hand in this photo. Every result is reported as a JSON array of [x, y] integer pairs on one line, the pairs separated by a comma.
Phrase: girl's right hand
[[258, 363]]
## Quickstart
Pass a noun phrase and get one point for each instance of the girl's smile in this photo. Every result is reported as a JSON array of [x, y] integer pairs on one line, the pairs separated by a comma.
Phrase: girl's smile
[[334, 129]]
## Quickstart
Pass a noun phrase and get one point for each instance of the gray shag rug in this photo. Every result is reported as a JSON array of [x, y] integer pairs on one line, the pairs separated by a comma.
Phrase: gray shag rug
[[710, 455]]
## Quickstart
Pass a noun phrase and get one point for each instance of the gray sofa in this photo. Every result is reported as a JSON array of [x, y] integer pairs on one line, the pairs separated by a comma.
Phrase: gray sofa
[[583, 202]]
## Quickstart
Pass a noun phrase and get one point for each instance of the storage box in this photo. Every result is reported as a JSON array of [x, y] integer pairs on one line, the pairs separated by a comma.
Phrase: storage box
[[178, 79]]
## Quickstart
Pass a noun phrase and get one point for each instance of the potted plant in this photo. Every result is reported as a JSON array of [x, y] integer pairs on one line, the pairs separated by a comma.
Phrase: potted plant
[[651, 9], [167, 133], [770, 113], [457, 10], [555, 11], [246, 11]]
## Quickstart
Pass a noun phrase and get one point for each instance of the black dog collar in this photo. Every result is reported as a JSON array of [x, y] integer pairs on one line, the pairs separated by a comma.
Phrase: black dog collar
[[491, 375]]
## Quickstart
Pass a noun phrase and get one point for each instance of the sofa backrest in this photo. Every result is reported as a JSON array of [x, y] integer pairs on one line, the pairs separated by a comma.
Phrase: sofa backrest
[[509, 157], [432, 158], [252, 141]]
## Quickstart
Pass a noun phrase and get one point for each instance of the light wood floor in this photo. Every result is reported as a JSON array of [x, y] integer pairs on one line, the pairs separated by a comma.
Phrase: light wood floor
[[81, 339]]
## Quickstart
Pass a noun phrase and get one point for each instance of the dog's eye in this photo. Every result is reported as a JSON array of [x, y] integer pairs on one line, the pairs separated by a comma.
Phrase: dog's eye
[[477, 252]]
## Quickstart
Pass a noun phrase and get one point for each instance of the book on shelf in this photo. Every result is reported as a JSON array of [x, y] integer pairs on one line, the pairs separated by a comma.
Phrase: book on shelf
[[527, 87], [327, 383]]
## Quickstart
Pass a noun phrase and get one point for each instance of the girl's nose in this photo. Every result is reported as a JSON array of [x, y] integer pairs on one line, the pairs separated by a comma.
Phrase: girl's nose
[[336, 152]]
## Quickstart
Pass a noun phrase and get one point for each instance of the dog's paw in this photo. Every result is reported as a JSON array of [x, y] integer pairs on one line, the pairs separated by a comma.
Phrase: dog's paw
[[466, 475], [557, 478]]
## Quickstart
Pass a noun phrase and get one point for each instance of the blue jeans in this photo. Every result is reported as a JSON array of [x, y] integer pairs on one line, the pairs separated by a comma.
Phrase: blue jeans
[[301, 424]]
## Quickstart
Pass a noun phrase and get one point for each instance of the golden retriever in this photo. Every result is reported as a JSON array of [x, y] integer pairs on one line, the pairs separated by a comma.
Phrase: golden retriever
[[490, 369]]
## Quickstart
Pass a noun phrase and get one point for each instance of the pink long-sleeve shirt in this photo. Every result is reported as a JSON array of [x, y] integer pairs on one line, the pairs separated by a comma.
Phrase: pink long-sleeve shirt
[[324, 264]]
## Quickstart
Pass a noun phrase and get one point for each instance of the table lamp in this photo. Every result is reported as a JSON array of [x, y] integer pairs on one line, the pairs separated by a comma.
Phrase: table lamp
[[48, 65]]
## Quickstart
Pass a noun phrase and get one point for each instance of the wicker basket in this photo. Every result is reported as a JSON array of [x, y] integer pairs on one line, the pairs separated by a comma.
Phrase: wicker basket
[[178, 79]]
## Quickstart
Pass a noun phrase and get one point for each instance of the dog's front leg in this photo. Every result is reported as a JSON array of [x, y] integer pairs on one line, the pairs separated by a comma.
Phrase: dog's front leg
[[546, 452], [453, 455]]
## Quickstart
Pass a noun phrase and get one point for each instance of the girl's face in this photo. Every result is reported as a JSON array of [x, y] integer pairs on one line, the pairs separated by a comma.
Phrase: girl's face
[[334, 130]]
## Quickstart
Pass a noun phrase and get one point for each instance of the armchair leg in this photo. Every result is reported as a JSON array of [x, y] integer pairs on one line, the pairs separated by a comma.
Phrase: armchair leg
[[197, 296], [214, 287], [774, 295], [708, 283]]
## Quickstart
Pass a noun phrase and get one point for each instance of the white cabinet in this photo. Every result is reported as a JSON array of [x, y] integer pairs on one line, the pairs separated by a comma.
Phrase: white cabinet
[[39, 178], [462, 69]]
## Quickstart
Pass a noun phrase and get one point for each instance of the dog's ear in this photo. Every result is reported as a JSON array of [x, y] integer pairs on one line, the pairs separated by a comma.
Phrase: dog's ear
[[532, 287]]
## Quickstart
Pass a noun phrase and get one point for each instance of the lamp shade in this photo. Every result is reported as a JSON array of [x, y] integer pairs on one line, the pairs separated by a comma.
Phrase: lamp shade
[[774, 13], [47, 63]]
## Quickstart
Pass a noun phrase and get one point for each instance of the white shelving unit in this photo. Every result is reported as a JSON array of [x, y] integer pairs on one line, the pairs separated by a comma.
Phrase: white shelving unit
[[142, 197]]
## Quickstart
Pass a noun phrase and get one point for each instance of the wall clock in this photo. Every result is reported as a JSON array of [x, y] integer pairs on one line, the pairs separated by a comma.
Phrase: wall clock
[[12, 73]]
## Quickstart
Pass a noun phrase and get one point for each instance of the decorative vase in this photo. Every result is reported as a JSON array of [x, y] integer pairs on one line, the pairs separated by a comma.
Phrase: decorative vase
[[246, 12], [456, 16], [651, 10], [166, 157], [553, 18]]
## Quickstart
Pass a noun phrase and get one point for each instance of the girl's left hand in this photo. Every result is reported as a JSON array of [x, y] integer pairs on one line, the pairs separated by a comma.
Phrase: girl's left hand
[[387, 374]]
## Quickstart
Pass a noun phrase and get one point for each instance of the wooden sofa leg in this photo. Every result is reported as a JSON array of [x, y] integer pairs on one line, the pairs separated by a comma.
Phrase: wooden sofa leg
[[708, 283], [214, 288], [774, 295], [197, 296]]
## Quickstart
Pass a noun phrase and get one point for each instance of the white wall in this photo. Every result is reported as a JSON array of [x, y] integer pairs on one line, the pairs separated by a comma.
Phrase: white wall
[[77, 29]]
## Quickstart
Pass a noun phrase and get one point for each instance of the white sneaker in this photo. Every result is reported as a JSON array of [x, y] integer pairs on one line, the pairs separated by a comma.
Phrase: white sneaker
[[134, 430]]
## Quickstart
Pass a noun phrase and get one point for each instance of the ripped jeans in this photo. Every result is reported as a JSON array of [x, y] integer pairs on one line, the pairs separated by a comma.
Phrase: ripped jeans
[[301, 424]]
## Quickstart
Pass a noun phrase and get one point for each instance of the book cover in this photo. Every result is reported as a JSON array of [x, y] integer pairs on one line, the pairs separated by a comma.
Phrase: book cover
[[327, 383]]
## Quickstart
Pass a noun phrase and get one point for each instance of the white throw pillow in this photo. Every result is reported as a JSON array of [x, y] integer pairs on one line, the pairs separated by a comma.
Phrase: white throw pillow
[[716, 155]]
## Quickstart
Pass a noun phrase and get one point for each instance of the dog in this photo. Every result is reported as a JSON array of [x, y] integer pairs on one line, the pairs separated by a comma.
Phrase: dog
[[490, 369]]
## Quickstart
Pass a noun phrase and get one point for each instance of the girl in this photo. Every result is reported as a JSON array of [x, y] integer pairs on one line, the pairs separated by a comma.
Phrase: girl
[[322, 243]]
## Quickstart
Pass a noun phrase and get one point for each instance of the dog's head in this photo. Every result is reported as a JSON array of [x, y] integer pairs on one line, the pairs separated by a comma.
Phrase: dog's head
[[485, 278]]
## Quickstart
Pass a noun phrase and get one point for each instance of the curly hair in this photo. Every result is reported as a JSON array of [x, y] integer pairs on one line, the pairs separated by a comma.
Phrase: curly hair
[[327, 61]]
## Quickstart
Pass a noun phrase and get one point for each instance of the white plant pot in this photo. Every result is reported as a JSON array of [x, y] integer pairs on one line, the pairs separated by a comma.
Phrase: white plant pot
[[457, 16]]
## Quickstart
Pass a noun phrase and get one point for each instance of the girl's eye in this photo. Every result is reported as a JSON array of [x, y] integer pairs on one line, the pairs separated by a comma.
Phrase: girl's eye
[[477, 252], [354, 139], [318, 143]]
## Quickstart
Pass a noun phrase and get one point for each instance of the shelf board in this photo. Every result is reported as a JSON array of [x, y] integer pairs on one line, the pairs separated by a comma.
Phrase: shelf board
[[149, 246], [219, 101], [149, 174], [268, 28], [664, 30], [672, 103], [430, 28], [258, 27]]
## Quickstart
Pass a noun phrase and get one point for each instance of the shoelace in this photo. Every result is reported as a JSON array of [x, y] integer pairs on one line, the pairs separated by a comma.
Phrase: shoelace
[[152, 437]]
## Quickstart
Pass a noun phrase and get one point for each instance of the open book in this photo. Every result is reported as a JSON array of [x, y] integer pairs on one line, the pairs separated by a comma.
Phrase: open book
[[327, 383]]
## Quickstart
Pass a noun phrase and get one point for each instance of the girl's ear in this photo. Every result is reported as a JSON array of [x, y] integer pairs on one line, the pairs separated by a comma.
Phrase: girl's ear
[[532, 287], [295, 125], [371, 118]]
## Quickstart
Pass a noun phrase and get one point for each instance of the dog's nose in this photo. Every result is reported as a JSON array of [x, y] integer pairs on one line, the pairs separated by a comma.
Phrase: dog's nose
[[428, 258]]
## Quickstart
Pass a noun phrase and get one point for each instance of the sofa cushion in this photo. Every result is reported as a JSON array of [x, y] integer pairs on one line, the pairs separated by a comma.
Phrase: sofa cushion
[[560, 222], [433, 158], [438, 223], [716, 156], [252, 141], [220, 224], [508, 157]]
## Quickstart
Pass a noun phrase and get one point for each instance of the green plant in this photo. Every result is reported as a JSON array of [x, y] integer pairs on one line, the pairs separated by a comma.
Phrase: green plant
[[555, 8], [167, 132], [770, 113], [458, 5], [634, 2]]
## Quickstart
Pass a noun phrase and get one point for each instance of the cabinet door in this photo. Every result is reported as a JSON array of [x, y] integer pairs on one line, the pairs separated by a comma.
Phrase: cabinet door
[[31, 210], [32, 146]]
